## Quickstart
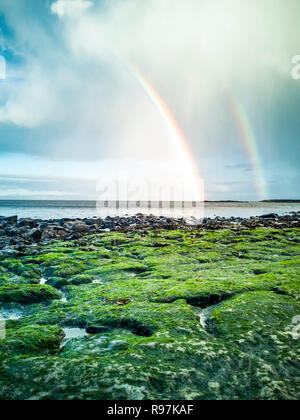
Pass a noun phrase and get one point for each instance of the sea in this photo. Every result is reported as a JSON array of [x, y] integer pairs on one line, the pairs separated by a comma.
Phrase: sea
[[47, 209]]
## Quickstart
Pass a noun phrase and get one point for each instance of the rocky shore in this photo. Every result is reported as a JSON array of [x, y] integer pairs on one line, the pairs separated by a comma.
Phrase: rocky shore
[[150, 308], [15, 233], [207, 311]]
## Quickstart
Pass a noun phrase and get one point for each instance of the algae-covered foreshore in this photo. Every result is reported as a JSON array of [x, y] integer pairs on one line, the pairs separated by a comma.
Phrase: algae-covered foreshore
[[170, 312]]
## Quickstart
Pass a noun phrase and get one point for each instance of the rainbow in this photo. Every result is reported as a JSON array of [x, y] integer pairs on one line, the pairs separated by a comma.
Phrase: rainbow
[[247, 135], [176, 132], [183, 147]]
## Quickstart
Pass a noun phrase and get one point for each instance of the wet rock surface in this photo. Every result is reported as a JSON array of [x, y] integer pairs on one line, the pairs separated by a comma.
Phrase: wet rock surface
[[194, 312], [16, 234]]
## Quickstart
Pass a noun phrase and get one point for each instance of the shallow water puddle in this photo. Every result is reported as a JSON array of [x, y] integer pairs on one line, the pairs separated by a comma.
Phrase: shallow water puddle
[[97, 281], [205, 314], [74, 333], [71, 333], [64, 297], [203, 317]]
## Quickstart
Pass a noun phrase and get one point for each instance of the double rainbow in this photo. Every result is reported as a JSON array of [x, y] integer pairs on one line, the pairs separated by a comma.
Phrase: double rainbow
[[242, 122]]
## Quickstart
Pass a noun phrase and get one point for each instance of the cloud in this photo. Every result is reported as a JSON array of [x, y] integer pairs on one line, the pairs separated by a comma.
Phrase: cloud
[[79, 100], [70, 7], [190, 53], [33, 101]]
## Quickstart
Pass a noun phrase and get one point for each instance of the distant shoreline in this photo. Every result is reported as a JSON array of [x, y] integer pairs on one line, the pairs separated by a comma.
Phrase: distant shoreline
[[205, 201], [280, 201]]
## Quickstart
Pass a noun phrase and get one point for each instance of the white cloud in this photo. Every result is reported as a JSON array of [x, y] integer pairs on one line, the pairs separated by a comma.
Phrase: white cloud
[[32, 103], [70, 7], [190, 53]]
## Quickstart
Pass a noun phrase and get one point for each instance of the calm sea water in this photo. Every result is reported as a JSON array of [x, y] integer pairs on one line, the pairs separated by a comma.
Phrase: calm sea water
[[83, 209]]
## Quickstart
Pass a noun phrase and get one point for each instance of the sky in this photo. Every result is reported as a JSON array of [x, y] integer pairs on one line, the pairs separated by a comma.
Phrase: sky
[[74, 110]]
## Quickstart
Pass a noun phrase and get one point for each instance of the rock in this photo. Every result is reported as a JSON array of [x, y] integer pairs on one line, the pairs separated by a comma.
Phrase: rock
[[60, 221], [69, 224], [80, 227], [118, 345], [269, 216], [191, 221], [10, 231], [34, 235], [54, 232], [98, 221], [6, 251], [73, 237], [108, 225], [92, 222], [28, 223], [11, 219], [43, 225], [123, 221], [48, 234]]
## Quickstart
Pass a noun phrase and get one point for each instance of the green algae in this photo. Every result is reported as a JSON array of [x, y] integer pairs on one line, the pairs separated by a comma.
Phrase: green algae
[[141, 295], [27, 271], [259, 323], [31, 340], [27, 294]]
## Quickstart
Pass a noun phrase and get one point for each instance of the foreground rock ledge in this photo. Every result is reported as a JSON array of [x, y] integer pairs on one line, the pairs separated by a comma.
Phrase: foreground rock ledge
[[189, 313]]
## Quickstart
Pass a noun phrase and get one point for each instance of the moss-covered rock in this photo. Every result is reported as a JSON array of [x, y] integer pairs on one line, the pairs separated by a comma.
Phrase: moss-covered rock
[[27, 294], [31, 340], [163, 315], [260, 324], [28, 271]]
